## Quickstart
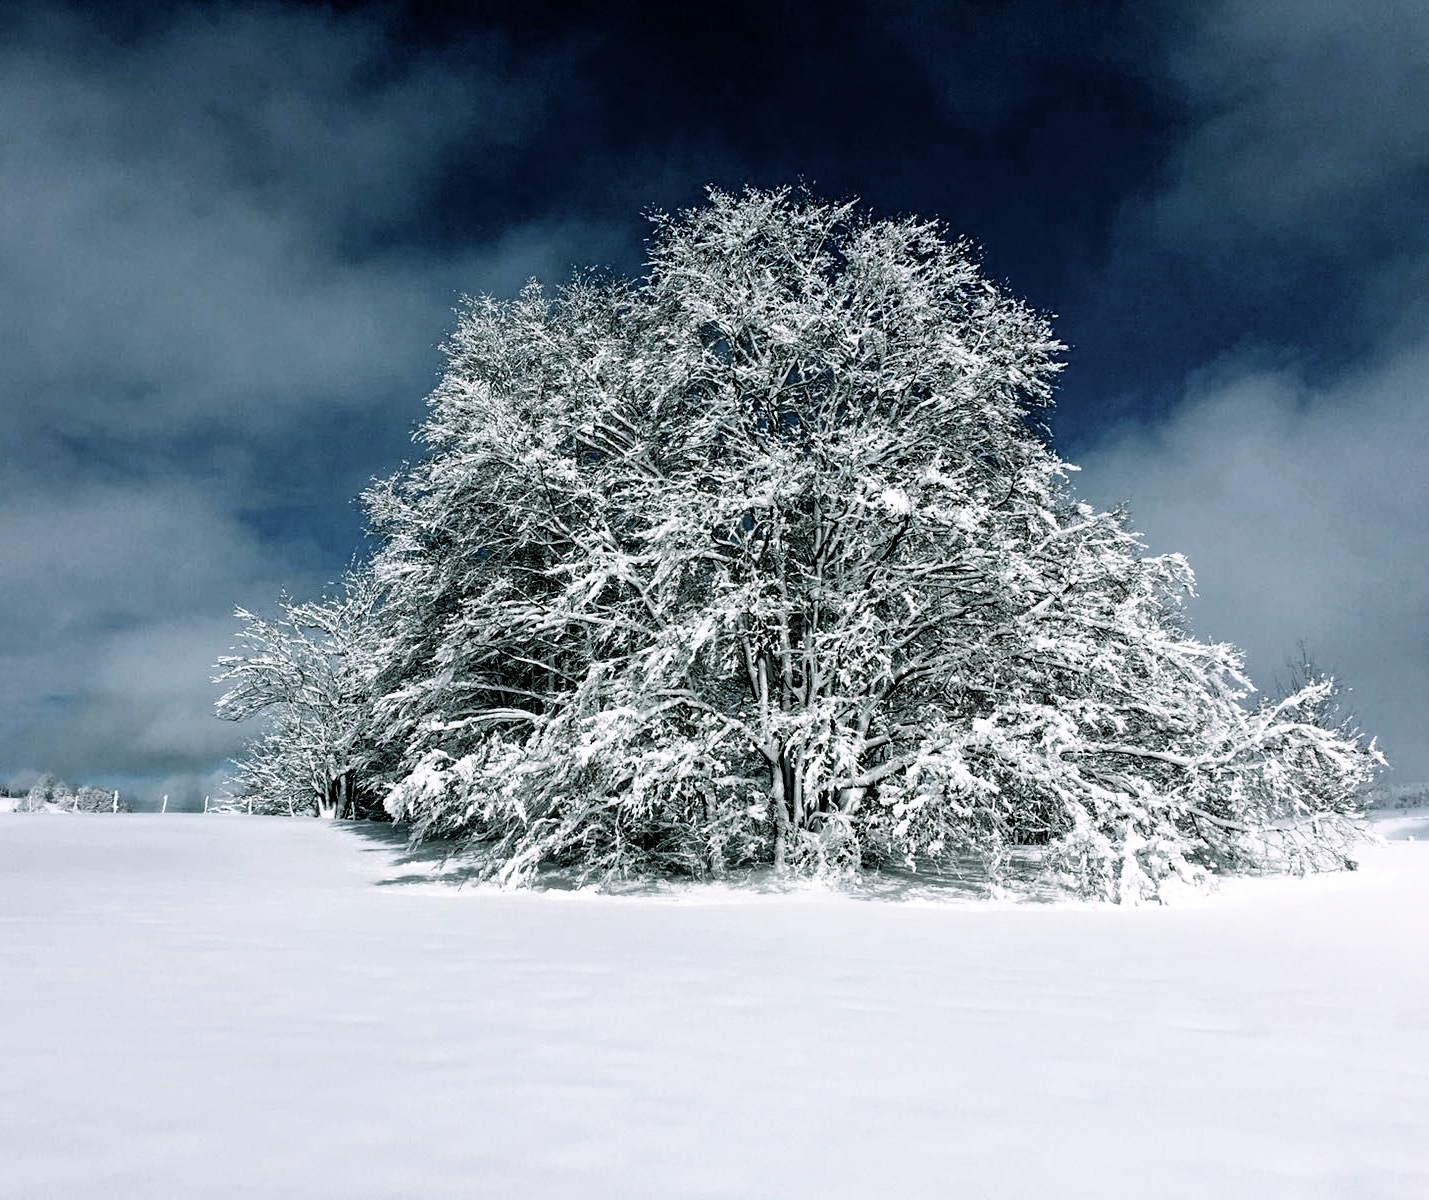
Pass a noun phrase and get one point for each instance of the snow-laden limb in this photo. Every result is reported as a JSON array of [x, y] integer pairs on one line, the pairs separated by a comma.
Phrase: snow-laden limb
[[765, 559]]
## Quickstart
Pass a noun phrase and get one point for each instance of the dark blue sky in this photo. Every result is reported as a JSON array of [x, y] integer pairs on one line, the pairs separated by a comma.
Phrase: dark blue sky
[[233, 234]]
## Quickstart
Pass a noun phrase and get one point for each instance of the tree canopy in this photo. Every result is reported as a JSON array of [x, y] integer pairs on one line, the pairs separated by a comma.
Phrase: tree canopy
[[765, 559]]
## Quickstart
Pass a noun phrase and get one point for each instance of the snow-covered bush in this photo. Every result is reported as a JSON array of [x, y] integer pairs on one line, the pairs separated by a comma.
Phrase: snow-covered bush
[[765, 559], [45, 793], [93, 799], [49, 794]]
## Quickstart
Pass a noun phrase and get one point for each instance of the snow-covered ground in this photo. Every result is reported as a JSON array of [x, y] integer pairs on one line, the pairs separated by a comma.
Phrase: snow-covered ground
[[230, 1006]]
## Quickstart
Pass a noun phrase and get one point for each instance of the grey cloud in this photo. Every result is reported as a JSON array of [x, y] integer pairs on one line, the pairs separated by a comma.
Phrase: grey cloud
[[1301, 508], [1298, 494], [116, 602], [211, 258], [146, 706], [196, 228], [1395, 301], [114, 555], [151, 701], [1310, 118], [296, 108]]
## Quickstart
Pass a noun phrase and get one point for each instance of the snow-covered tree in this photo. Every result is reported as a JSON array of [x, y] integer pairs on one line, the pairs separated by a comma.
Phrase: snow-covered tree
[[765, 558], [305, 673], [49, 793]]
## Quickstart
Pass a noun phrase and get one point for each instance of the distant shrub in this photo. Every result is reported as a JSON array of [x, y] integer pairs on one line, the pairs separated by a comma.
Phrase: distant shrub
[[48, 792], [93, 799], [1399, 795]]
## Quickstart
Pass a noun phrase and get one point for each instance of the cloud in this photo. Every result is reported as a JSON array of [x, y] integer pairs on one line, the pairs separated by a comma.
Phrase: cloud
[[224, 225], [117, 601], [113, 555], [148, 703], [1301, 507], [203, 227], [222, 282], [1287, 221], [1309, 122]]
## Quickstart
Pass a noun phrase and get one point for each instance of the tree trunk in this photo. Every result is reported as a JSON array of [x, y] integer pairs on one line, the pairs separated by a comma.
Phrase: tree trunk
[[781, 818], [339, 797]]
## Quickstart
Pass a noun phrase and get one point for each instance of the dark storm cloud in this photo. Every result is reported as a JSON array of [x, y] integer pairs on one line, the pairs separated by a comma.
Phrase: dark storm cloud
[[1291, 471], [197, 227], [116, 600], [217, 320], [1311, 125]]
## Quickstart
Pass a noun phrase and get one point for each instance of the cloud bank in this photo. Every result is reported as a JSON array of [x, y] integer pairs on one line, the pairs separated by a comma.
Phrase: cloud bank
[[1310, 123], [1301, 509], [219, 298], [1297, 489]]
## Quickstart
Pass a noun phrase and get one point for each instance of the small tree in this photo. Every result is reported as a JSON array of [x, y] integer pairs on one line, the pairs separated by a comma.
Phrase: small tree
[[94, 799], [45, 791], [304, 673], [766, 559]]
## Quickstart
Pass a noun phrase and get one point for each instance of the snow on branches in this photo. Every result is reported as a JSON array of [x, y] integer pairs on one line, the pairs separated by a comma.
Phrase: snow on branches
[[765, 559]]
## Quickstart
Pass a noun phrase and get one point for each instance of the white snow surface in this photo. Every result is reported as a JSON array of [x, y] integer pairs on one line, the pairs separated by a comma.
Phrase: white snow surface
[[246, 1006]]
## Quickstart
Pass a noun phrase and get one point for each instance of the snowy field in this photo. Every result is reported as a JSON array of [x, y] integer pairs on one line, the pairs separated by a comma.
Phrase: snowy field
[[229, 1006]]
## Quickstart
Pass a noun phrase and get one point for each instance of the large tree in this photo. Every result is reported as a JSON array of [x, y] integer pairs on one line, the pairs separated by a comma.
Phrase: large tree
[[766, 558]]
